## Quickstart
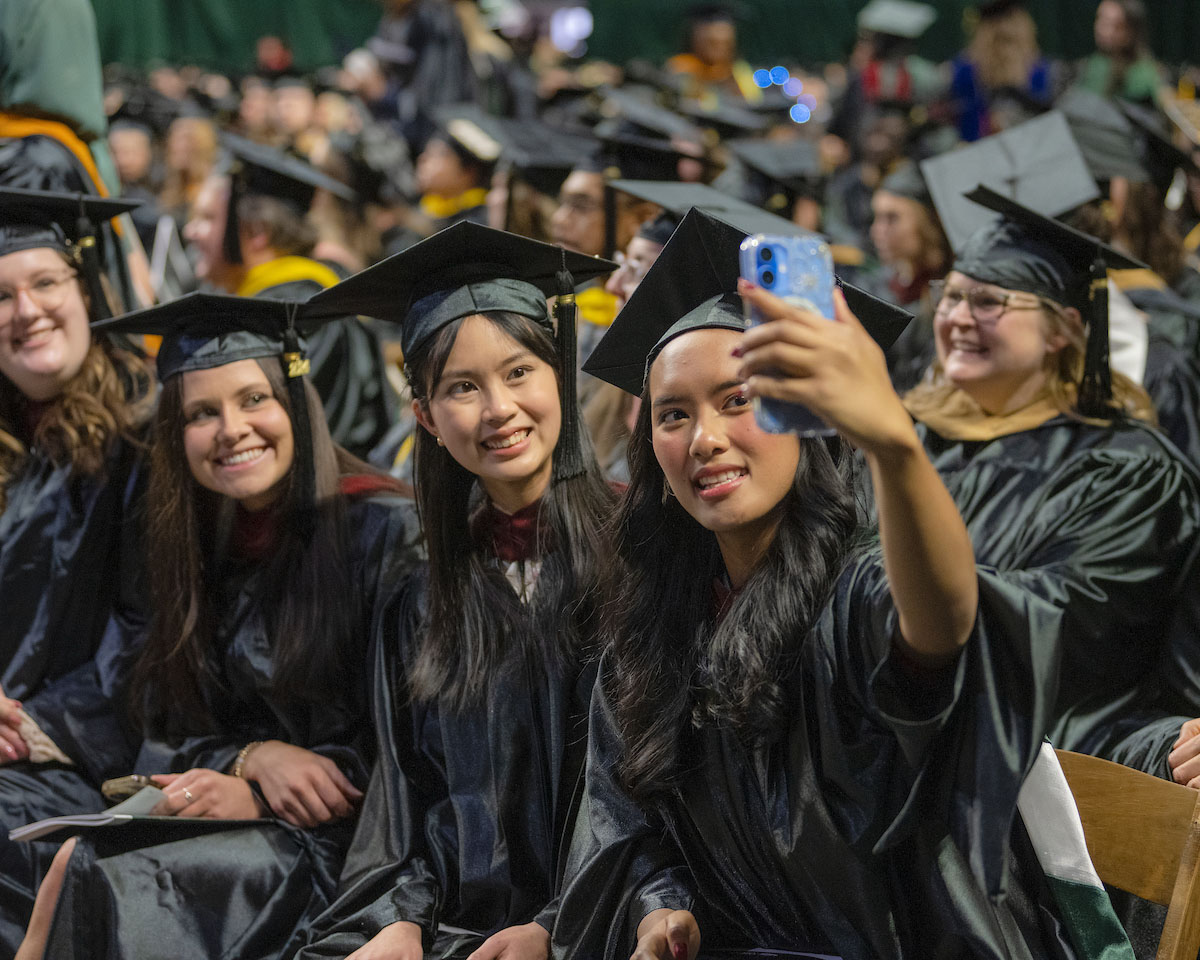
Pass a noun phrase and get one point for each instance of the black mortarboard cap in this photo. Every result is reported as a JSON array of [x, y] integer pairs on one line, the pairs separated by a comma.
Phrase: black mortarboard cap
[[643, 114], [66, 222], [897, 18], [468, 269], [678, 198], [256, 169], [659, 229], [623, 153], [905, 180], [203, 330], [1105, 136], [541, 154], [464, 128], [717, 12], [692, 286], [1159, 153], [789, 164], [1031, 252], [44, 218], [1037, 163], [726, 118]]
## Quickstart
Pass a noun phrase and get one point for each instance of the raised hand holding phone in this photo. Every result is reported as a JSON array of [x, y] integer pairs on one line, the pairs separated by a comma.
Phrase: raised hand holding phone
[[798, 270]]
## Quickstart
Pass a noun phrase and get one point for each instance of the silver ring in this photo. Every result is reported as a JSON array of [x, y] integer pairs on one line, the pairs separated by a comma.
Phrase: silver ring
[[187, 795]]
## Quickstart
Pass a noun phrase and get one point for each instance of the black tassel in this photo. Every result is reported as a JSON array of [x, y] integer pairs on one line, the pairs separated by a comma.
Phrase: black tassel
[[1095, 390], [568, 455], [231, 246], [295, 366], [89, 264], [610, 220]]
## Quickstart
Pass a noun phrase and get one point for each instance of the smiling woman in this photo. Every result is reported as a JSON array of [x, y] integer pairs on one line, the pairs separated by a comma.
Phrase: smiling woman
[[485, 664], [72, 412], [266, 547]]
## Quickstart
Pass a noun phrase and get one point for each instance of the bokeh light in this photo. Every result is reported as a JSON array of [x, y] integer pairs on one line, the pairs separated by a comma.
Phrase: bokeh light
[[779, 75], [762, 78], [800, 113], [793, 86]]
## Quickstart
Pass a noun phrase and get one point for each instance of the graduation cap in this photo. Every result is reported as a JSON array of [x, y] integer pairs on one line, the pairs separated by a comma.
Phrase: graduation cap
[[1159, 154], [256, 169], [659, 229], [462, 128], [692, 286], [906, 181], [203, 330], [539, 153], [897, 18], [1037, 163], [65, 222], [725, 118], [468, 269], [678, 198], [783, 165], [1028, 251], [1105, 136], [643, 114]]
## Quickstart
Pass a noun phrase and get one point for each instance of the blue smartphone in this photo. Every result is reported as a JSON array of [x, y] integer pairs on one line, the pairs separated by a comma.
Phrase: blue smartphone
[[800, 271]]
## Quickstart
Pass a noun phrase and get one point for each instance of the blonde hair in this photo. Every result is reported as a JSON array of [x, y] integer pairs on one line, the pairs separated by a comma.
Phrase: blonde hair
[[1064, 371], [110, 396]]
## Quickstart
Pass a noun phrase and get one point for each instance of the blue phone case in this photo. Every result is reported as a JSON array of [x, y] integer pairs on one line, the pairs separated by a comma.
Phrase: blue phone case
[[800, 271]]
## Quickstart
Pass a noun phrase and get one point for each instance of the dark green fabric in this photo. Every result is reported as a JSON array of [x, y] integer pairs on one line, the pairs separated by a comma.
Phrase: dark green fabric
[[221, 33]]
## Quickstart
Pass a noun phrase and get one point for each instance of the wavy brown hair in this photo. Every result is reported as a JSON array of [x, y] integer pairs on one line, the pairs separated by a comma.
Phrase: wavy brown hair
[[110, 397], [308, 602], [1064, 374]]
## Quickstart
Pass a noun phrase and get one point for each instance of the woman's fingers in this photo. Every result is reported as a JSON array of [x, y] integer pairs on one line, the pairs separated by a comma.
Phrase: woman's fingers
[[331, 795], [12, 747], [779, 360]]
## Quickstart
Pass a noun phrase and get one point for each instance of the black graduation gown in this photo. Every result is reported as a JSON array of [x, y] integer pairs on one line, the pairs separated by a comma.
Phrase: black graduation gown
[[347, 372], [875, 827], [237, 892], [1103, 523], [467, 816], [70, 586]]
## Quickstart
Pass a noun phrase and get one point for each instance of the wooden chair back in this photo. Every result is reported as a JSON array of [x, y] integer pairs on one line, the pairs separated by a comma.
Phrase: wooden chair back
[[1143, 834]]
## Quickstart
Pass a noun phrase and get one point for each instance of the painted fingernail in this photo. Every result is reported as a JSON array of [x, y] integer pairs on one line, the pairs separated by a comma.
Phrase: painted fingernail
[[679, 951], [737, 351]]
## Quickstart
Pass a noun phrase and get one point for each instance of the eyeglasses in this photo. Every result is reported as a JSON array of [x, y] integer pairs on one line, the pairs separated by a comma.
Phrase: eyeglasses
[[636, 269], [48, 291], [580, 204], [986, 306]]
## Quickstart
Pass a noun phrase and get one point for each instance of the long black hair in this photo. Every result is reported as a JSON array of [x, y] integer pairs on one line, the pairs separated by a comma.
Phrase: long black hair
[[305, 589], [474, 617], [671, 668]]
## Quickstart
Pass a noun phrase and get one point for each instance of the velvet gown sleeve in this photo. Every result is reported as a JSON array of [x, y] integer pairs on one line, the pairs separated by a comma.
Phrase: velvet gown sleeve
[[886, 805], [623, 864], [83, 711], [387, 876], [1103, 527]]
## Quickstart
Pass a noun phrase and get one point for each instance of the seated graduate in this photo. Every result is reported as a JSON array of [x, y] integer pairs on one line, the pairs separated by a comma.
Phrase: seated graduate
[[73, 407], [482, 674], [252, 236], [1064, 487], [800, 739], [266, 547]]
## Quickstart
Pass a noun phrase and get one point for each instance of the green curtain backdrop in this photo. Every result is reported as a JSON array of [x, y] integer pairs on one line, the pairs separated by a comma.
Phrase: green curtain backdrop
[[220, 34]]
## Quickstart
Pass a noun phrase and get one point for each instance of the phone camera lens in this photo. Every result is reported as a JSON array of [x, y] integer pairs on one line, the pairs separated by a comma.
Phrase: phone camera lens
[[766, 255], [768, 278]]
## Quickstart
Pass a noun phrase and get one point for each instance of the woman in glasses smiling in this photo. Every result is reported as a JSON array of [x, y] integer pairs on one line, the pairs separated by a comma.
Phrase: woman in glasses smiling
[[72, 411], [1055, 466]]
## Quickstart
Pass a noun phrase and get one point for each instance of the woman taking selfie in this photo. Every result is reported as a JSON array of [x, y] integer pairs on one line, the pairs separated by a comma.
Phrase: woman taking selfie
[[73, 407], [266, 547], [804, 736], [483, 676]]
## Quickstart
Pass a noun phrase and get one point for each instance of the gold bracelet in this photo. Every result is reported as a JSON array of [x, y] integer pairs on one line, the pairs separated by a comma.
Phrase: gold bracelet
[[242, 755]]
